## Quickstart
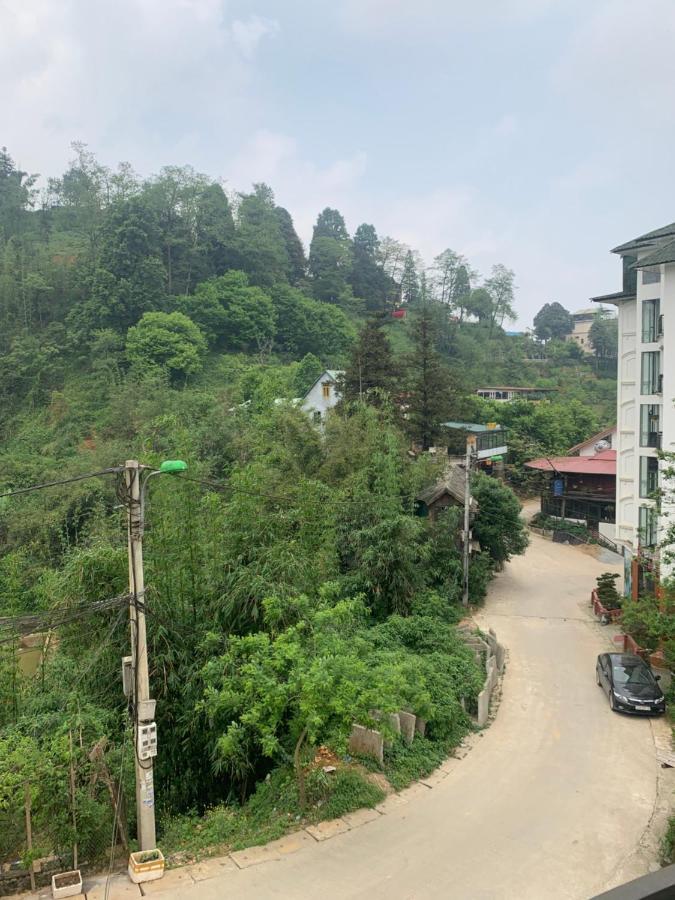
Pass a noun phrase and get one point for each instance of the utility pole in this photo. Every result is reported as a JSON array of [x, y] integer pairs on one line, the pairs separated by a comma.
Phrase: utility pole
[[145, 746], [470, 448]]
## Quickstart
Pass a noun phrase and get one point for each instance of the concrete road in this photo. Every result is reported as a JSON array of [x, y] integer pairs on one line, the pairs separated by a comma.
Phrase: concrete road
[[552, 801]]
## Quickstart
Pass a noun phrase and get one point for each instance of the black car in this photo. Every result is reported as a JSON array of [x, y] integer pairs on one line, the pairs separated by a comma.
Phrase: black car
[[629, 684]]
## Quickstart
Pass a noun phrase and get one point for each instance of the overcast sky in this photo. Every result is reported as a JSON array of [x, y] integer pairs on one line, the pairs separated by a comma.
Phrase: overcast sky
[[537, 133]]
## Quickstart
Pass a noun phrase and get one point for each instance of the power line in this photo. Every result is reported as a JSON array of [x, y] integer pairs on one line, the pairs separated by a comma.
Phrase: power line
[[51, 619], [48, 484]]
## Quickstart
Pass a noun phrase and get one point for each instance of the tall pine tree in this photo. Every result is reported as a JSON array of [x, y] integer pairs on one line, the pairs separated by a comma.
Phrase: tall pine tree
[[431, 390], [371, 370]]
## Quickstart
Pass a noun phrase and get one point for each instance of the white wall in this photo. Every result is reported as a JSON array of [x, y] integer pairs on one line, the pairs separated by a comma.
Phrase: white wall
[[668, 398], [315, 400], [627, 413]]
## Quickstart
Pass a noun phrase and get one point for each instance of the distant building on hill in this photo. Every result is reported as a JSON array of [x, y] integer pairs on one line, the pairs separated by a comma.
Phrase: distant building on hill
[[583, 320], [507, 394], [603, 440], [323, 395]]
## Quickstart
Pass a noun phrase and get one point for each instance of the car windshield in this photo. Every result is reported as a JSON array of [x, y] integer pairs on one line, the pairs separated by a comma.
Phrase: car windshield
[[632, 673]]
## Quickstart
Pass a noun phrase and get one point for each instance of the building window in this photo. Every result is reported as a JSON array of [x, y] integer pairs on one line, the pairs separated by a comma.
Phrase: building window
[[325, 390], [651, 276], [650, 320], [317, 417], [649, 476], [651, 371], [650, 425], [647, 526]]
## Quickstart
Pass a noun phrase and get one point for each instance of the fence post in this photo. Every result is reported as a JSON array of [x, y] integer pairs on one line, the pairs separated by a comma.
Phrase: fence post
[[29, 833]]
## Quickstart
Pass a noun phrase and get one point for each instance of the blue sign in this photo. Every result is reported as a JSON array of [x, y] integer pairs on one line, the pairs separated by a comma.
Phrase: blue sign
[[558, 485]]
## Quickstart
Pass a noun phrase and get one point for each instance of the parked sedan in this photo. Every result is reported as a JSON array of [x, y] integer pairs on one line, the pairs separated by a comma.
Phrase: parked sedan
[[629, 683]]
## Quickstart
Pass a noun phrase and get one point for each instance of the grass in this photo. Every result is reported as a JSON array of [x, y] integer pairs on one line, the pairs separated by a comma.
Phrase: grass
[[272, 811]]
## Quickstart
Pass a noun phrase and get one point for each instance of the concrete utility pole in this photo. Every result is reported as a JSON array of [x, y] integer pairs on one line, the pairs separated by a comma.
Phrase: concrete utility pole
[[470, 448], [143, 710]]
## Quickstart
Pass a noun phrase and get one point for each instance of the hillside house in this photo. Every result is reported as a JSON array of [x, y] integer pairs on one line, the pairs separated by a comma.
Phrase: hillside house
[[603, 440], [444, 494], [323, 395], [508, 394]]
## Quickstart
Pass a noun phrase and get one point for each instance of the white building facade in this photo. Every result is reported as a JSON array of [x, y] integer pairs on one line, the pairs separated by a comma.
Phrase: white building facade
[[645, 396], [323, 395]]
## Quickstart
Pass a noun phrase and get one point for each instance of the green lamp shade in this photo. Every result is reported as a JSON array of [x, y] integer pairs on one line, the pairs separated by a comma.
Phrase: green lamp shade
[[496, 458], [173, 465]]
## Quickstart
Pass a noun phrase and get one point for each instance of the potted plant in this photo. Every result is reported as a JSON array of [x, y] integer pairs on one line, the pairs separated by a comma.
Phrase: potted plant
[[146, 865], [67, 884]]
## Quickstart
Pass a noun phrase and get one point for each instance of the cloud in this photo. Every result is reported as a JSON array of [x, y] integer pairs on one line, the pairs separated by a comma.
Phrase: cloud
[[134, 78], [300, 184], [620, 60], [247, 33], [437, 19]]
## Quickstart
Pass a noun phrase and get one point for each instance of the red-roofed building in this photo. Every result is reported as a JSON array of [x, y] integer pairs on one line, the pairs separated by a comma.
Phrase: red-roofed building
[[579, 487]]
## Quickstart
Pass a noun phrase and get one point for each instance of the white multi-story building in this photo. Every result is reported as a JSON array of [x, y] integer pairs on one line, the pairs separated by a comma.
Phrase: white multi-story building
[[645, 397]]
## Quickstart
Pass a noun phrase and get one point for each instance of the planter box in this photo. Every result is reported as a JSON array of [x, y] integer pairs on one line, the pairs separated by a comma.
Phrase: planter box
[[146, 865], [67, 884]]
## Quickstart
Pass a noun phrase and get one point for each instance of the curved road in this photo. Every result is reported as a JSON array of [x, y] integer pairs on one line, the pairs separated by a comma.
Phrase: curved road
[[551, 802]]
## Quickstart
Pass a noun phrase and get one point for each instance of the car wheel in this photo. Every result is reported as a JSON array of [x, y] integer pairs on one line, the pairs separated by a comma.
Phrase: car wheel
[[612, 702]]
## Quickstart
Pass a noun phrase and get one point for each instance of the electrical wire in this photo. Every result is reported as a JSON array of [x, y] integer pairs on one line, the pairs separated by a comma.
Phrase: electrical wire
[[48, 484], [57, 618]]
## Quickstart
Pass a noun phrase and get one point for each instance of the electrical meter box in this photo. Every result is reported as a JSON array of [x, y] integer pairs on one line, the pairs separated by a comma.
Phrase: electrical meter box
[[127, 675], [147, 740]]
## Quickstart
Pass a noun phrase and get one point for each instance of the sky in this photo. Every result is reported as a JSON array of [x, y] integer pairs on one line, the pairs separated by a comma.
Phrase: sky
[[534, 133]]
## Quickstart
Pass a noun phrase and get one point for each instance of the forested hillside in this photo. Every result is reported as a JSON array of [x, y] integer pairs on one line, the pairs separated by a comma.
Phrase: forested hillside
[[290, 586]]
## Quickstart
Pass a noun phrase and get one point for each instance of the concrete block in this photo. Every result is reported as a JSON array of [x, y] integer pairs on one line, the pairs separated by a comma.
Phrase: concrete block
[[420, 726], [175, 880], [390, 804], [366, 742], [361, 817], [431, 781], [211, 868], [324, 831], [254, 856], [483, 707], [501, 657], [407, 723], [414, 791], [120, 888], [291, 843]]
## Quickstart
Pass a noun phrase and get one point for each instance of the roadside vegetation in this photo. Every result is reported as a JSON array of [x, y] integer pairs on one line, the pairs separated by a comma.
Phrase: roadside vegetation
[[292, 587]]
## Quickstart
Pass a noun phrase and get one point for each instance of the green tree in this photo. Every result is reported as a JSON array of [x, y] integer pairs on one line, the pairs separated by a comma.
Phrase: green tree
[[604, 336], [371, 371], [368, 279], [330, 258], [17, 195], [410, 281], [309, 369], [553, 321], [166, 342], [498, 527], [479, 303], [260, 243], [305, 325], [232, 313], [501, 288], [297, 262], [430, 386]]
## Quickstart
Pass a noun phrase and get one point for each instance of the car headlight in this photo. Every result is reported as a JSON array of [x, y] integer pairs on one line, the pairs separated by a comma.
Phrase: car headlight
[[620, 696]]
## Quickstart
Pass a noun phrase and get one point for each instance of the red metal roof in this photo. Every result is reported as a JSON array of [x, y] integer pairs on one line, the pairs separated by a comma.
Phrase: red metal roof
[[603, 463]]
